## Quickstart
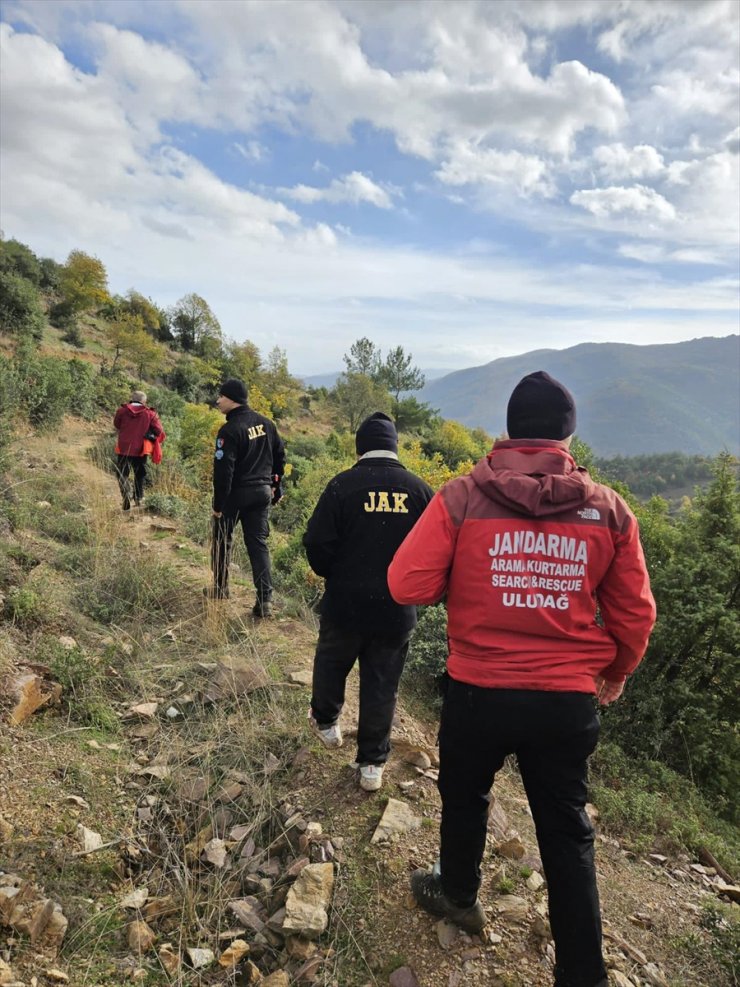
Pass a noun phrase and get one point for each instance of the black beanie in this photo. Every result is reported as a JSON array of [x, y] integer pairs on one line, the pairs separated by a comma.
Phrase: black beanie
[[540, 407], [376, 432], [235, 390]]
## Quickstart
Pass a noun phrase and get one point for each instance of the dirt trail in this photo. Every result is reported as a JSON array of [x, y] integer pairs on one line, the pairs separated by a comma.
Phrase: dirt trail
[[375, 928]]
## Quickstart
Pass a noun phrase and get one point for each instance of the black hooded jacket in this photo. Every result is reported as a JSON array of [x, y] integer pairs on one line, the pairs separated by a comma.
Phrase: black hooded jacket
[[361, 518], [249, 452]]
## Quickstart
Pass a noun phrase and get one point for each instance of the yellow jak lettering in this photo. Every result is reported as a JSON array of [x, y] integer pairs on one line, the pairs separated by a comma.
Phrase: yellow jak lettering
[[378, 502], [255, 431]]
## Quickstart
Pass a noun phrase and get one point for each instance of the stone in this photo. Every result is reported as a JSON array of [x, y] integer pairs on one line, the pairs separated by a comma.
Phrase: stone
[[419, 759], [535, 881], [271, 764], [31, 692], [145, 711], [140, 937], [55, 930], [144, 731], [229, 793], [654, 975], [135, 898], [277, 979], [58, 976], [398, 818], [234, 677], [40, 918], [541, 927], [173, 713], [194, 789], [592, 812], [301, 676], [159, 771], [618, 979], [162, 526], [88, 838], [404, 976], [67, 642], [511, 908], [308, 901], [512, 849], [200, 958], [249, 912], [234, 954], [300, 948], [446, 933], [250, 974], [214, 852], [169, 959], [6, 974]]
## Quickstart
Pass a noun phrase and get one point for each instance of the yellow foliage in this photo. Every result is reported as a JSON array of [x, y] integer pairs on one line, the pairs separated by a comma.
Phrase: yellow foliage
[[433, 468], [259, 402], [198, 430]]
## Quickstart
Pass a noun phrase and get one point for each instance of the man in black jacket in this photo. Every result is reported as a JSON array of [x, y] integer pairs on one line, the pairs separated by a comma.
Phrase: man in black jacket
[[360, 520], [248, 467]]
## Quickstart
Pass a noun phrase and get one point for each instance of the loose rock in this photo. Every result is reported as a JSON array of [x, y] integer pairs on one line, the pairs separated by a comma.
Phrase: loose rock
[[200, 958], [397, 818], [308, 901], [404, 976], [141, 937], [89, 839], [234, 954]]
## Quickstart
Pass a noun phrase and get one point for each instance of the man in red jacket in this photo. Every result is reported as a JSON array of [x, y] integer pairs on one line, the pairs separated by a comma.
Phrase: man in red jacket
[[138, 427], [527, 547]]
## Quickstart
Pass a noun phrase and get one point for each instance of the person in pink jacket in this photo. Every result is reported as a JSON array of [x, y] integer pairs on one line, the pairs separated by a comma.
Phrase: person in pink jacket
[[549, 605]]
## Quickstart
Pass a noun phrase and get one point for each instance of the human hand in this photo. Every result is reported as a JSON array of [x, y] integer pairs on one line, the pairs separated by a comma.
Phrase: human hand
[[217, 513], [608, 692]]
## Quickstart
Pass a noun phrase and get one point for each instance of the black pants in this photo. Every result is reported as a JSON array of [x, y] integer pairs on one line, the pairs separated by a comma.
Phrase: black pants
[[552, 735], [381, 664], [253, 513], [124, 465]]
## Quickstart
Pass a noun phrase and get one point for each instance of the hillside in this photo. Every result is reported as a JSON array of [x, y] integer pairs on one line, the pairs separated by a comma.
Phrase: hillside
[[630, 399], [157, 811]]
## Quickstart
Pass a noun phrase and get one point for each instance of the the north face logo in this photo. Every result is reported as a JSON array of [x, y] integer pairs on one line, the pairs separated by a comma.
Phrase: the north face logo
[[589, 514]]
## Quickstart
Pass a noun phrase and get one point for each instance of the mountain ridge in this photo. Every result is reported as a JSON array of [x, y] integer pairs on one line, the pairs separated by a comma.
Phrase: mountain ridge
[[631, 399]]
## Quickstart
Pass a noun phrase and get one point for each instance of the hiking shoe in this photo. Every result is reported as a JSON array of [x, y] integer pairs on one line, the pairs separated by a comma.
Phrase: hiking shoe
[[262, 610], [330, 737], [211, 593], [426, 888], [371, 777]]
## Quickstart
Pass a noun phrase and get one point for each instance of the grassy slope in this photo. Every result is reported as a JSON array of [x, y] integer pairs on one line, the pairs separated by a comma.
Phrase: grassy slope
[[90, 576]]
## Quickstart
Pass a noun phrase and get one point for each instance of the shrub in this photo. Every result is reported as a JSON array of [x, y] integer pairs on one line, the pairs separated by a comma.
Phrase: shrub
[[24, 606], [47, 388], [20, 306], [84, 391], [428, 651], [124, 583], [167, 505]]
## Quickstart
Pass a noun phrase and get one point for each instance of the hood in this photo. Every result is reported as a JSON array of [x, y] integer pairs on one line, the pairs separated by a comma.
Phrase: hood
[[535, 477], [136, 409]]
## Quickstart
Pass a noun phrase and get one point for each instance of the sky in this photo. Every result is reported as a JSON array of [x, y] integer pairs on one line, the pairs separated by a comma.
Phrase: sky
[[469, 180]]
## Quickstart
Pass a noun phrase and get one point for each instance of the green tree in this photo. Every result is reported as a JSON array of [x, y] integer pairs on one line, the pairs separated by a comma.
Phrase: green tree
[[682, 706], [356, 396], [20, 306], [456, 443], [364, 358], [17, 258], [241, 360], [278, 386], [399, 375], [196, 327], [412, 415], [145, 308], [83, 282]]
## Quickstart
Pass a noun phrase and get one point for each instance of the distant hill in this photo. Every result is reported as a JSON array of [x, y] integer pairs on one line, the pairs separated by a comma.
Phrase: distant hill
[[630, 399], [330, 379]]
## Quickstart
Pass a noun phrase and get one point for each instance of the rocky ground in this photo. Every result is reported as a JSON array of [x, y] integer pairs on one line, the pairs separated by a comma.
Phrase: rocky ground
[[197, 834]]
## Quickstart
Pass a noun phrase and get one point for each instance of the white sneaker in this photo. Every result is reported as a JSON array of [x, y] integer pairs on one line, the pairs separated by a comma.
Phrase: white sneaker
[[371, 777], [330, 737]]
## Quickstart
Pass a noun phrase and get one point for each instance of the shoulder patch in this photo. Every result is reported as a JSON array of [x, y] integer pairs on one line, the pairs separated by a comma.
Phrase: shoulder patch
[[219, 454], [219, 443]]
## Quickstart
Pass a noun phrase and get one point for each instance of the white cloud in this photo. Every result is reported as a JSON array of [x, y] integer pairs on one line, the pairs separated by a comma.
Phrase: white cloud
[[618, 200], [353, 188], [252, 151], [467, 164], [615, 161]]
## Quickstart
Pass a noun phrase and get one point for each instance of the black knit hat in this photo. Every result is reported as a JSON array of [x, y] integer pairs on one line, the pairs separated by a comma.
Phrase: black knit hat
[[235, 390], [540, 407], [376, 432]]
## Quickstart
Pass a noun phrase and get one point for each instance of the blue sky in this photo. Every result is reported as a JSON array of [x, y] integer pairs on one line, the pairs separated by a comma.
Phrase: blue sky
[[471, 180]]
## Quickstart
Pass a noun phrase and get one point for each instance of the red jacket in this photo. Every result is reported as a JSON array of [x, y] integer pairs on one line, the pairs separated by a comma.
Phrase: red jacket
[[526, 547], [133, 421]]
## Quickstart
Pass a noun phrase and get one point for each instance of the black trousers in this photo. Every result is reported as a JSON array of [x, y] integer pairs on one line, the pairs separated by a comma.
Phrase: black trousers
[[381, 664], [552, 735], [252, 512], [124, 465]]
